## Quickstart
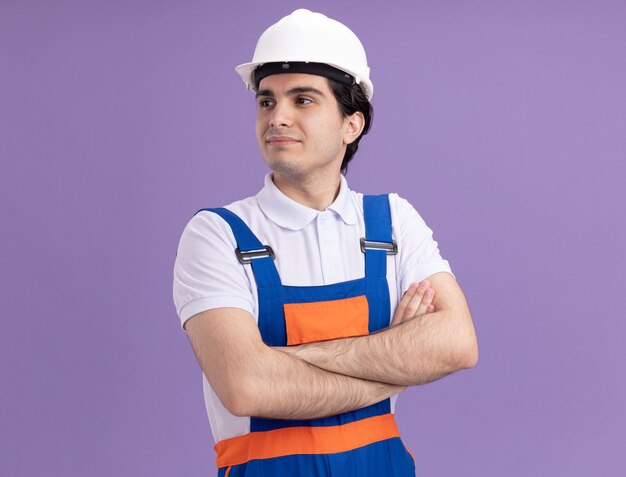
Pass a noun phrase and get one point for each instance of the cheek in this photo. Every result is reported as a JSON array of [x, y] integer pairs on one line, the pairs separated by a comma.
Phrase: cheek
[[331, 134], [259, 127]]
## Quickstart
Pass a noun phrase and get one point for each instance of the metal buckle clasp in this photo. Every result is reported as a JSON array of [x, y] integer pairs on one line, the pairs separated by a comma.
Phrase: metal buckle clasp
[[249, 255], [391, 248]]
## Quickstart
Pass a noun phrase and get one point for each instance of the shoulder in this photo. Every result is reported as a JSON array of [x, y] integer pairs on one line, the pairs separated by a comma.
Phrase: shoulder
[[408, 226], [401, 209], [207, 223]]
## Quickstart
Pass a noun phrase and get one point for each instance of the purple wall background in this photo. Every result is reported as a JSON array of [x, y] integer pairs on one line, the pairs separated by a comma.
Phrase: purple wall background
[[504, 123]]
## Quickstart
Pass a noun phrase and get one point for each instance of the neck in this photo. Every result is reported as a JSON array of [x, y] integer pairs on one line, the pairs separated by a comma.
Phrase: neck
[[317, 193]]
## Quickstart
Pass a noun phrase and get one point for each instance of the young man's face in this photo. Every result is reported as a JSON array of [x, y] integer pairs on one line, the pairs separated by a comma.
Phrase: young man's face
[[299, 126]]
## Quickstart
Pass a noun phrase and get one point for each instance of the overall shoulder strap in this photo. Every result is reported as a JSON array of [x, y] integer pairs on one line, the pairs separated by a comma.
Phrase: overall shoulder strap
[[378, 241], [249, 249]]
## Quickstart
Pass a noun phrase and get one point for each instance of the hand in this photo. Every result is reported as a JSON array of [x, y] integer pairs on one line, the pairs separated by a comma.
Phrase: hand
[[416, 301]]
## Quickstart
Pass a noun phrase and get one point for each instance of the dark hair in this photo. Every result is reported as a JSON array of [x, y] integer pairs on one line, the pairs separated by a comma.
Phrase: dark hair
[[351, 99]]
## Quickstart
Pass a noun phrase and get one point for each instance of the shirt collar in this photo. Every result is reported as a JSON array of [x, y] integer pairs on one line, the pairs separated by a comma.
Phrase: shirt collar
[[289, 214]]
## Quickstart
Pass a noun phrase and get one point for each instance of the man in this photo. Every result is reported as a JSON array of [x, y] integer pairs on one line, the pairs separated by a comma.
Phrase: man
[[288, 296]]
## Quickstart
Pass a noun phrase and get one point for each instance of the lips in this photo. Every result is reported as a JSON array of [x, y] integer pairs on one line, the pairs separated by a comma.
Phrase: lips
[[280, 140]]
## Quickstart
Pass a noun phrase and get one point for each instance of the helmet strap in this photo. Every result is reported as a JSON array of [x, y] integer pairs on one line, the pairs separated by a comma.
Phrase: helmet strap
[[319, 69]]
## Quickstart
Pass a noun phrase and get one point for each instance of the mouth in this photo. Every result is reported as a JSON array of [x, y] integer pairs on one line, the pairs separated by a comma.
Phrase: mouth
[[280, 141]]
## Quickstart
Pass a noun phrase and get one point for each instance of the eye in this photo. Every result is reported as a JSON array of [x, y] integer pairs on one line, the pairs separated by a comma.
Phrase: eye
[[265, 103], [303, 101]]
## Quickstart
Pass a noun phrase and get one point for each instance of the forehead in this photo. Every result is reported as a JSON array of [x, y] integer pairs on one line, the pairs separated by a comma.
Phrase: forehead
[[282, 83]]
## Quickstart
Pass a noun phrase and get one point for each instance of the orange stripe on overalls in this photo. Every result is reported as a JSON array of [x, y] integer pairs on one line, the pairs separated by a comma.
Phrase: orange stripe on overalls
[[305, 440]]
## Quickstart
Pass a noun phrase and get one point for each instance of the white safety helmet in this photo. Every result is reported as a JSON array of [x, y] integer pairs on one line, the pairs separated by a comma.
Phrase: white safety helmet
[[308, 37]]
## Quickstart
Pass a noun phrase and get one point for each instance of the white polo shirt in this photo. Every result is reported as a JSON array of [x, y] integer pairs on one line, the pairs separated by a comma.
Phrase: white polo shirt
[[311, 247]]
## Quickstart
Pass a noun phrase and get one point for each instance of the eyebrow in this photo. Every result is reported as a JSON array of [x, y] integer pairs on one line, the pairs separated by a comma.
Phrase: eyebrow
[[292, 91]]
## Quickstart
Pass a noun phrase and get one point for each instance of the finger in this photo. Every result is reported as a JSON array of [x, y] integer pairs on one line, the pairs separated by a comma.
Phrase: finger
[[413, 305], [430, 309], [427, 300], [406, 299]]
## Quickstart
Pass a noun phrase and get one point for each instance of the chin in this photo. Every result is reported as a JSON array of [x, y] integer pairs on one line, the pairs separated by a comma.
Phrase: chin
[[287, 168]]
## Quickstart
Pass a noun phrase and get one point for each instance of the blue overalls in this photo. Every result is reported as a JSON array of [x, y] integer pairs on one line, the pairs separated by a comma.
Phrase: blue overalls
[[362, 443]]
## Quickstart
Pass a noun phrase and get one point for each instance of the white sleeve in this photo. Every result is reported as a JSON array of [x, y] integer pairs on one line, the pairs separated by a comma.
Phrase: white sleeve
[[418, 253], [207, 273]]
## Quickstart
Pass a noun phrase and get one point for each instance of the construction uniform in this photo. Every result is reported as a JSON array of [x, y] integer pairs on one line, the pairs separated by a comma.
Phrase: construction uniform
[[364, 442]]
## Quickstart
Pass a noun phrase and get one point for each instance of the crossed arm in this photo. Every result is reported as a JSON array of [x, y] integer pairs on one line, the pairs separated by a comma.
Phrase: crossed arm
[[418, 348], [252, 379], [321, 379]]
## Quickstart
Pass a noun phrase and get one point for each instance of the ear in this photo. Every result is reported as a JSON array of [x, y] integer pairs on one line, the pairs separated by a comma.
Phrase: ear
[[354, 126]]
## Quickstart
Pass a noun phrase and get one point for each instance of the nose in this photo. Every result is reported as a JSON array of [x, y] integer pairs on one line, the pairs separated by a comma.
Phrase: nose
[[281, 116]]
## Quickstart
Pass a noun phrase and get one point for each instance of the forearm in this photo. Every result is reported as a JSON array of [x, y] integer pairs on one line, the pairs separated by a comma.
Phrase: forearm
[[415, 352], [281, 386]]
